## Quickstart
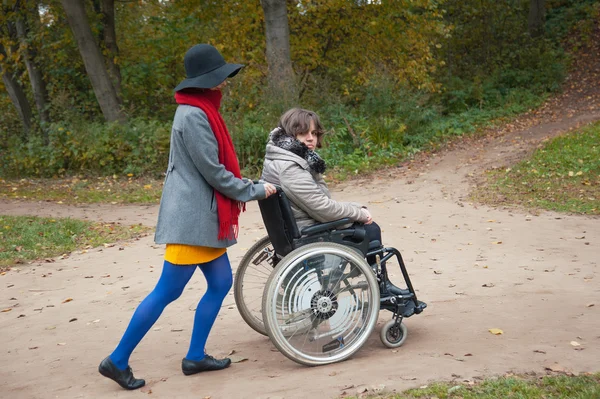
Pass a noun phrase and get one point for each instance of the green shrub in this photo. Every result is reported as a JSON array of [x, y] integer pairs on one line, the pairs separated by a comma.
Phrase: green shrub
[[137, 147]]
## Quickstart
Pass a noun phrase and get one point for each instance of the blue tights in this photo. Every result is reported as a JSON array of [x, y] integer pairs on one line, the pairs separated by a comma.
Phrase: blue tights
[[169, 287]]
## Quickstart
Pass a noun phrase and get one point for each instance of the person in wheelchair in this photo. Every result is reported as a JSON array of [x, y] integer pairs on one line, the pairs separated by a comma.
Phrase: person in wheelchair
[[292, 163]]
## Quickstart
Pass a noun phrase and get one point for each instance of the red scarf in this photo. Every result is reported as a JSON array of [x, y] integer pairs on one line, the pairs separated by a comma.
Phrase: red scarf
[[228, 210]]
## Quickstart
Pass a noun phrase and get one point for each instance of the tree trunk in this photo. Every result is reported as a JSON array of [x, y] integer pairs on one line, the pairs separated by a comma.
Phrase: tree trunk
[[93, 60], [17, 96], [282, 83], [38, 85], [108, 37], [537, 17], [110, 41]]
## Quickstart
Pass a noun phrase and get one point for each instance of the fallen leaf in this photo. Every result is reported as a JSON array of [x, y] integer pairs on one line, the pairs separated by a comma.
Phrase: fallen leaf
[[73, 319], [6, 310], [496, 331], [61, 344], [575, 343], [589, 305], [67, 300], [539, 351], [488, 285], [176, 329], [238, 359], [497, 242], [468, 354], [437, 272], [555, 367], [32, 347], [231, 352]]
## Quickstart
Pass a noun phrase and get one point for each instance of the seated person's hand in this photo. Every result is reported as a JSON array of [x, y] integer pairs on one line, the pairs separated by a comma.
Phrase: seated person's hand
[[368, 214], [269, 189]]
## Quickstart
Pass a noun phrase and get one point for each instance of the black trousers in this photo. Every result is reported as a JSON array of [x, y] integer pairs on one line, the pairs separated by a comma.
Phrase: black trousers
[[373, 233]]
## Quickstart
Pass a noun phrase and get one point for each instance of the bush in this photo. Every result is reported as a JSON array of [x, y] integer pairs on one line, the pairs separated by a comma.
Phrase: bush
[[137, 147]]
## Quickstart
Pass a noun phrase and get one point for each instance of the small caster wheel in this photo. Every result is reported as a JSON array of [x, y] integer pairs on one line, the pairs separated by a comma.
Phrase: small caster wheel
[[393, 336]]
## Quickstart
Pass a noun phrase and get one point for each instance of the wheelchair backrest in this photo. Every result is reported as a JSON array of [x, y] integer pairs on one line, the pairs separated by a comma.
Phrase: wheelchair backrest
[[279, 221]]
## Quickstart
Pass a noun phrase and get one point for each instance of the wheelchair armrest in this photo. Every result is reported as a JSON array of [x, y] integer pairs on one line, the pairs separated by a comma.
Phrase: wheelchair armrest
[[321, 227]]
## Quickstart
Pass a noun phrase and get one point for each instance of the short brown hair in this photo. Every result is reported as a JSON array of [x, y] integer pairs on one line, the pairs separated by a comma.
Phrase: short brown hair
[[297, 120]]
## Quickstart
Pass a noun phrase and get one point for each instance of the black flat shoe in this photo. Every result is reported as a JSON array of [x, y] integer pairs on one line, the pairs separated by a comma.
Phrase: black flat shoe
[[209, 363], [124, 378], [392, 289]]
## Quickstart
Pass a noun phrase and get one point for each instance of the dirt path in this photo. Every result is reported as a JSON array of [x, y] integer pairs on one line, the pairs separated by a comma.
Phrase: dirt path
[[534, 277]]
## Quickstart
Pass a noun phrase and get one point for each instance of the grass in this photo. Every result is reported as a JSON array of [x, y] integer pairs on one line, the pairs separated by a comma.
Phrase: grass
[[112, 189], [563, 176], [25, 238], [513, 387]]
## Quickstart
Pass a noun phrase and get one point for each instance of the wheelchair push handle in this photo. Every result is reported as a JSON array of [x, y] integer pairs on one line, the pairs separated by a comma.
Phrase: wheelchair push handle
[[278, 188]]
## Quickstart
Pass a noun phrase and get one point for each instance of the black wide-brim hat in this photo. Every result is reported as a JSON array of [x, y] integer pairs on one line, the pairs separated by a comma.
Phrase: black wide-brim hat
[[206, 68]]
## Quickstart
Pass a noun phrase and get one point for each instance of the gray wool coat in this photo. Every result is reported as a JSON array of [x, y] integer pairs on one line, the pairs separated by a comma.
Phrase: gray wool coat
[[188, 207], [308, 192]]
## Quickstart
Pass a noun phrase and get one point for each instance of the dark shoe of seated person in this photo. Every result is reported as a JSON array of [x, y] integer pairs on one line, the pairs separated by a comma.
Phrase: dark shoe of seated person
[[209, 363], [392, 289], [124, 378]]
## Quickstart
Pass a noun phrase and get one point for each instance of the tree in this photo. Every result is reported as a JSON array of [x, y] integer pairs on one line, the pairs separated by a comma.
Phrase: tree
[[16, 94], [282, 83], [537, 17], [93, 60], [29, 54], [108, 37]]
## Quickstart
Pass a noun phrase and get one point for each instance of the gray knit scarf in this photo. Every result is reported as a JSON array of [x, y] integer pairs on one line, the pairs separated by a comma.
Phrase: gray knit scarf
[[285, 142]]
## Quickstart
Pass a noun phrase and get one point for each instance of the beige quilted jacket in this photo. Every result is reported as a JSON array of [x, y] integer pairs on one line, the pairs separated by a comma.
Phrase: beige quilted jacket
[[311, 200]]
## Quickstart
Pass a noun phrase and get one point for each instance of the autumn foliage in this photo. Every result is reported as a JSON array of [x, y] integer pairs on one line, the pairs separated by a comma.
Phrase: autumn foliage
[[389, 77]]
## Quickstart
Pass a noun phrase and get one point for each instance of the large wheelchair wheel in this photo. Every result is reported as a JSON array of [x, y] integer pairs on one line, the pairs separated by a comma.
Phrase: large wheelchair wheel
[[250, 279], [320, 304]]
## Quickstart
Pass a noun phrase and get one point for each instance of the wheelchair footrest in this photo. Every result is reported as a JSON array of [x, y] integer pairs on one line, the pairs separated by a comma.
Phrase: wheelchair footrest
[[410, 308]]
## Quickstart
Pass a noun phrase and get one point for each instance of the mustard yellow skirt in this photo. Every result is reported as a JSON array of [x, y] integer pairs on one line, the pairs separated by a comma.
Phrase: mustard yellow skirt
[[180, 254]]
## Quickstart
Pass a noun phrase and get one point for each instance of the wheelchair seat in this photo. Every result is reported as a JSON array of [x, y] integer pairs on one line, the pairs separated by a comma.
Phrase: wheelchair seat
[[285, 236]]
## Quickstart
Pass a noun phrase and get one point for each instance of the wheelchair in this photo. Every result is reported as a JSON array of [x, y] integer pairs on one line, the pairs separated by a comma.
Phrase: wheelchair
[[314, 293]]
